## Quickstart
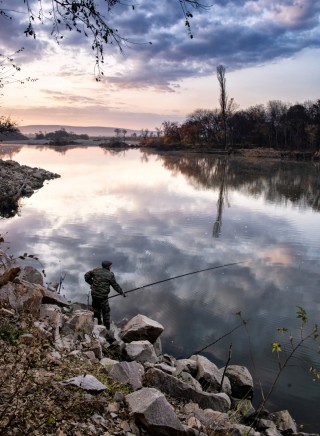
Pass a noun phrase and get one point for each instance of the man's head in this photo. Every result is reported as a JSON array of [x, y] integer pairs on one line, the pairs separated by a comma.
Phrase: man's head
[[106, 264]]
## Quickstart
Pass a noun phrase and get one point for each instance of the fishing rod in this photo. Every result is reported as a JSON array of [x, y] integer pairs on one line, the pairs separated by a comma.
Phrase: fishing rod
[[181, 275], [217, 340]]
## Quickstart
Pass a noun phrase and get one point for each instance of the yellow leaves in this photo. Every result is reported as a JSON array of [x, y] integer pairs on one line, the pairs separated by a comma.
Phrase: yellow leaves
[[276, 347], [315, 373]]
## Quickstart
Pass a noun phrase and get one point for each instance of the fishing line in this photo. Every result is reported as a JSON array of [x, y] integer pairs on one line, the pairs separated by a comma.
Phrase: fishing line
[[179, 276]]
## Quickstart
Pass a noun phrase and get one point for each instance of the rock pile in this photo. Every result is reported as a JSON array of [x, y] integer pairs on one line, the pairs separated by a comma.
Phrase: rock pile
[[156, 393], [18, 181]]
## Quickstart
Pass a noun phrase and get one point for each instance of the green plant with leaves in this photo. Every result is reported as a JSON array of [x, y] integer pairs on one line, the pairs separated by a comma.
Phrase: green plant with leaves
[[286, 350]]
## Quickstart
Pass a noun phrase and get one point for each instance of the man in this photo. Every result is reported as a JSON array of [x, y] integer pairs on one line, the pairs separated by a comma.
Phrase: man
[[100, 280]]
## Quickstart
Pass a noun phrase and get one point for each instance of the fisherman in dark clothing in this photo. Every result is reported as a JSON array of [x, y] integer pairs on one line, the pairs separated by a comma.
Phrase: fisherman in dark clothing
[[100, 280]]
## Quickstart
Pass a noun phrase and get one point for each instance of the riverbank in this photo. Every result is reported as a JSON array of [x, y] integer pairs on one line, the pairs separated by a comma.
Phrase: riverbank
[[249, 153], [61, 373], [18, 181]]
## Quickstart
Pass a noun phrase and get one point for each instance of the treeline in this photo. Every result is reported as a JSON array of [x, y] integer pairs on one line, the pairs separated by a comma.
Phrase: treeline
[[278, 125], [60, 137]]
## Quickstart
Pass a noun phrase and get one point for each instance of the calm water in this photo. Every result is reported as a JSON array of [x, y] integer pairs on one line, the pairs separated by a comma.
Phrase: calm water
[[160, 216]]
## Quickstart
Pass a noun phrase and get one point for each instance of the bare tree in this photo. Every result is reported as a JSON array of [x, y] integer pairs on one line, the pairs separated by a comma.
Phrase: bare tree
[[158, 132], [275, 113], [223, 100], [8, 69]]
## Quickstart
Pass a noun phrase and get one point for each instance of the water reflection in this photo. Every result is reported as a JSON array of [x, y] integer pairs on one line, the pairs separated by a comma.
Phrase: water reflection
[[160, 216], [277, 180]]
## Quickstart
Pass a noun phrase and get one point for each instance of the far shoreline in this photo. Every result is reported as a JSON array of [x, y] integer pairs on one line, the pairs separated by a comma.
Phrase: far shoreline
[[249, 153]]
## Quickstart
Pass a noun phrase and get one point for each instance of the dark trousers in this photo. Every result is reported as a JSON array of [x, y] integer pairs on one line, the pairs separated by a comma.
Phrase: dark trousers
[[101, 310]]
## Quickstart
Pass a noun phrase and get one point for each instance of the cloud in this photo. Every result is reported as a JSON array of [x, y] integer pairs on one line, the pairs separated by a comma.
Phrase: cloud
[[237, 34], [12, 36], [70, 99], [90, 115]]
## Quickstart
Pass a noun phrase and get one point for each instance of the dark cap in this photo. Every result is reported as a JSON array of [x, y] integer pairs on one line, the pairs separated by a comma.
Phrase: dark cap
[[106, 264]]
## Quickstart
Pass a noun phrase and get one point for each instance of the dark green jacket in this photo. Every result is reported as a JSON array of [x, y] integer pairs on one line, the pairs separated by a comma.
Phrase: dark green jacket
[[100, 280]]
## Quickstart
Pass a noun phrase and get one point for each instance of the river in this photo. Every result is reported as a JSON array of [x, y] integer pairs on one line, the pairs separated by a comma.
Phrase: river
[[159, 216]]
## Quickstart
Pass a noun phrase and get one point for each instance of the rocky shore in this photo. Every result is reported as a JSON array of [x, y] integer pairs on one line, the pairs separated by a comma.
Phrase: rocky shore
[[18, 181], [62, 374]]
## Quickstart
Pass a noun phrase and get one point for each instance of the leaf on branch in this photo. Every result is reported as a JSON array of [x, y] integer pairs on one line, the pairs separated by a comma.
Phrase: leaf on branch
[[276, 347], [282, 329], [315, 373], [302, 314]]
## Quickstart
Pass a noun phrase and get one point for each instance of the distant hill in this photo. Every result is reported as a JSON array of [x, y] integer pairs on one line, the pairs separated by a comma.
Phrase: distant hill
[[89, 130]]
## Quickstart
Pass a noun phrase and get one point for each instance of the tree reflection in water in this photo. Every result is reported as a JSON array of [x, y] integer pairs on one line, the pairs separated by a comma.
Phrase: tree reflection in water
[[276, 181]]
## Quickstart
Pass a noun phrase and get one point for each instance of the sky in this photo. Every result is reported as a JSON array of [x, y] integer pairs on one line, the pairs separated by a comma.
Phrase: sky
[[270, 49]]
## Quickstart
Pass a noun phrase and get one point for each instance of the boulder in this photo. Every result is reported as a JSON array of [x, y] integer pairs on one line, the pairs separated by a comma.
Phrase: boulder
[[141, 328], [105, 361], [178, 389], [168, 360], [22, 296], [9, 276], [90, 356], [210, 376], [80, 322], [151, 410], [52, 314], [186, 365], [141, 351], [164, 367], [241, 430], [99, 331], [271, 432], [128, 373], [51, 297], [157, 345], [243, 407], [5, 262], [187, 378], [207, 417], [267, 424], [31, 275], [240, 380], [284, 422]]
